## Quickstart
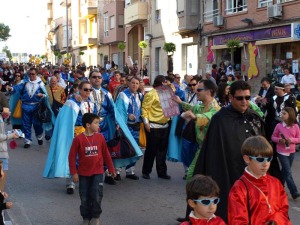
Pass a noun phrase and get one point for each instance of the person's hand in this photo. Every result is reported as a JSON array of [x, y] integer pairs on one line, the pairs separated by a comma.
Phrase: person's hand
[[190, 114], [15, 136], [282, 141], [75, 178], [5, 195], [8, 88], [147, 127], [176, 99], [264, 101], [9, 205], [39, 95], [131, 117], [288, 141], [77, 97]]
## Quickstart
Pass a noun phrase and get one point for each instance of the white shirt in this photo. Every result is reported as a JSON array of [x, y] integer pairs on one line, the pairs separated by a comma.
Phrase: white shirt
[[289, 79]]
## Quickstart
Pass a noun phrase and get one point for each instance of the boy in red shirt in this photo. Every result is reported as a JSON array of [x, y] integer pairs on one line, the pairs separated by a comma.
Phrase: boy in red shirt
[[90, 150], [257, 198], [202, 196]]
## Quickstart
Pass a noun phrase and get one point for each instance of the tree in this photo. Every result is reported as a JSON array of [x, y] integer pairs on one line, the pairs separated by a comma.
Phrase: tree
[[121, 46], [4, 32], [170, 47], [7, 51], [232, 45]]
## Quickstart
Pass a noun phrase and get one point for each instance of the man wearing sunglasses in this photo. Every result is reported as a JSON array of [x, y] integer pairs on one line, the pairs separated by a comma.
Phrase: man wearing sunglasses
[[220, 156]]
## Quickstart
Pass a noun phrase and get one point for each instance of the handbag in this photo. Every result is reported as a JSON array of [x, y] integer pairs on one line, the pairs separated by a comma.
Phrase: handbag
[[43, 113], [189, 132], [56, 105], [18, 110], [119, 147], [142, 136]]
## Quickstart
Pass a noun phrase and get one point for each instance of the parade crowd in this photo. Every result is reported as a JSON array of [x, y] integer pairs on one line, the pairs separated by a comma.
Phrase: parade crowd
[[236, 147]]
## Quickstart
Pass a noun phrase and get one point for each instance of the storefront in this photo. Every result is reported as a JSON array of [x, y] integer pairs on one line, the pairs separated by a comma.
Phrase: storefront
[[263, 52]]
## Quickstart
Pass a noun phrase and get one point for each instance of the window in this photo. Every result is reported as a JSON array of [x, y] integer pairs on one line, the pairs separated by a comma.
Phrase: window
[[106, 24], [112, 22], [194, 7], [283, 1], [210, 10], [157, 15], [180, 6], [264, 3], [121, 21], [234, 6]]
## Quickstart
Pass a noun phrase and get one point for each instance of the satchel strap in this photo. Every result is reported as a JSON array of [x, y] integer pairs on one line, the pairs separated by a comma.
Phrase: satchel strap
[[248, 202]]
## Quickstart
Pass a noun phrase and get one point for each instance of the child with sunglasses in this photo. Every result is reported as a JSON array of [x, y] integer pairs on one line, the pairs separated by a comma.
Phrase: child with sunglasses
[[202, 197], [257, 198], [286, 135]]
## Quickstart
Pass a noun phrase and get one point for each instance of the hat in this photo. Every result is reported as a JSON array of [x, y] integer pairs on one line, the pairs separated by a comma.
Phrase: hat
[[279, 85]]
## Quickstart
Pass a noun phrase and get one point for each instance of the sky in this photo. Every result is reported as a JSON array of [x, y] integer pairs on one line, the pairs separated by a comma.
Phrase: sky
[[27, 20]]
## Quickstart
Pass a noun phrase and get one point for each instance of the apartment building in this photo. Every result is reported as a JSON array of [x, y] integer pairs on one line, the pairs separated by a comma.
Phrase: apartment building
[[268, 31]]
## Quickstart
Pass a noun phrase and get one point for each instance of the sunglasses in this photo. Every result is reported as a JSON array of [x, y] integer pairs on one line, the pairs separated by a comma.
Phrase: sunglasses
[[207, 201], [241, 98], [87, 89], [200, 89], [190, 85], [96, 77], [261, 159]]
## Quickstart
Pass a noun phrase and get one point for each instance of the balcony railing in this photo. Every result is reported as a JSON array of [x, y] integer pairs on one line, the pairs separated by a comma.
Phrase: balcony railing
[[209, 15], [89, 8], [136, 12], [87, 40]]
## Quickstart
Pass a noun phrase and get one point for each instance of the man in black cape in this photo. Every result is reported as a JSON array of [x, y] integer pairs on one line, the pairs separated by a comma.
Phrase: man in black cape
[[220, 156]]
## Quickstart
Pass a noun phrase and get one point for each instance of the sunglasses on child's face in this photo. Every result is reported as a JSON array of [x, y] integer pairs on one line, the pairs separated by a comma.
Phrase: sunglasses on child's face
[[207, 201], [261, 159], [190, 85]]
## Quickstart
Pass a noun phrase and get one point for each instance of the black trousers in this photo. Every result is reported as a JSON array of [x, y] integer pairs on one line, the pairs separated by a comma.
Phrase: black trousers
[[157, 146]]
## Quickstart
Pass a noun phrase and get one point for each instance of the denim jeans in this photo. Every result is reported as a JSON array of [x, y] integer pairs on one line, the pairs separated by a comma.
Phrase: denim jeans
[[286, 172], [91, 193]]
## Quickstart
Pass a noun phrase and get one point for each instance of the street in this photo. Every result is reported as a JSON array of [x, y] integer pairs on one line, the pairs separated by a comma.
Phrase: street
[[40, 201]]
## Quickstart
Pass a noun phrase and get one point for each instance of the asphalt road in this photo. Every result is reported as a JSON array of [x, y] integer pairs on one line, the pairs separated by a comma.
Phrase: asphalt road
[[40, 201]]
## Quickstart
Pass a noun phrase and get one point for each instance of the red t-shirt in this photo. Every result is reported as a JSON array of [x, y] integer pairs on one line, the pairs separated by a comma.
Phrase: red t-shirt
[[112, 86], [92, 153]]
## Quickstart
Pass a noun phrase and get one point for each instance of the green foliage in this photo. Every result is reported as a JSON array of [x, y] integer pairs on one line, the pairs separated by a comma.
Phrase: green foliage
[[169, 47], [233, 44], [81, 53], [43, 56], [4, 32], [143, 44], [7, 51], [121, 46]]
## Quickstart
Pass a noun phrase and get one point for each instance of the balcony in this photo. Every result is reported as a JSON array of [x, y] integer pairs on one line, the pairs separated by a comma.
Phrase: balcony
[[50, 14], [86, 40], [136, 12], [89, 8]]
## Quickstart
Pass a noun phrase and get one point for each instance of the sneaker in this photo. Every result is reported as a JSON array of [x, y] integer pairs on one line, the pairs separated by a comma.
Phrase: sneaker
[[146, 176], [132, 177], [47, 138], [86, 222], [109, 180], [118, 177], [295, 196], [95, 221], [26, 145], [70, 191], [165, 176], [40, 142]]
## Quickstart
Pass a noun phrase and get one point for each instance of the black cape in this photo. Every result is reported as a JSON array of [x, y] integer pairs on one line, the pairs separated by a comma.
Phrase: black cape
[[220, 156]]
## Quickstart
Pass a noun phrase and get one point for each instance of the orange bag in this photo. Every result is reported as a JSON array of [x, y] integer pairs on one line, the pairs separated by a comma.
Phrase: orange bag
[[142, 139], [18, 110]]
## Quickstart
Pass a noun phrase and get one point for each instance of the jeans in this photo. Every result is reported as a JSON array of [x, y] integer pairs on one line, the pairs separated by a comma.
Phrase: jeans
[[91, 193], [286, 172]]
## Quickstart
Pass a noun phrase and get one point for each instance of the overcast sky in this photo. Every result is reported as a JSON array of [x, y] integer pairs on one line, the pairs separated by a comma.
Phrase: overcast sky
[[27, 20]]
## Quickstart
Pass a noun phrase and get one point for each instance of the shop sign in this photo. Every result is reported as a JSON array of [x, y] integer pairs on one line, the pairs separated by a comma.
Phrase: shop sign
[[249, 36], [295, 27], [295, 66], [289, 55]]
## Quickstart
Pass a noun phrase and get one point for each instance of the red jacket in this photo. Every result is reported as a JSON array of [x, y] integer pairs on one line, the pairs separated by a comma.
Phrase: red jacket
[[212, 221], [272, 190], [92, 153]]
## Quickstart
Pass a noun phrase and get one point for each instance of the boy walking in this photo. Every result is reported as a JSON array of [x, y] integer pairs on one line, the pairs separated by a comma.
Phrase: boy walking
[[91, 152], [257, 198], [202, 197]]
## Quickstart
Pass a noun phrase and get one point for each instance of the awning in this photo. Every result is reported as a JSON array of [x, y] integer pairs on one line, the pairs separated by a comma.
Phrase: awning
[[215, 47], [275, 41]]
